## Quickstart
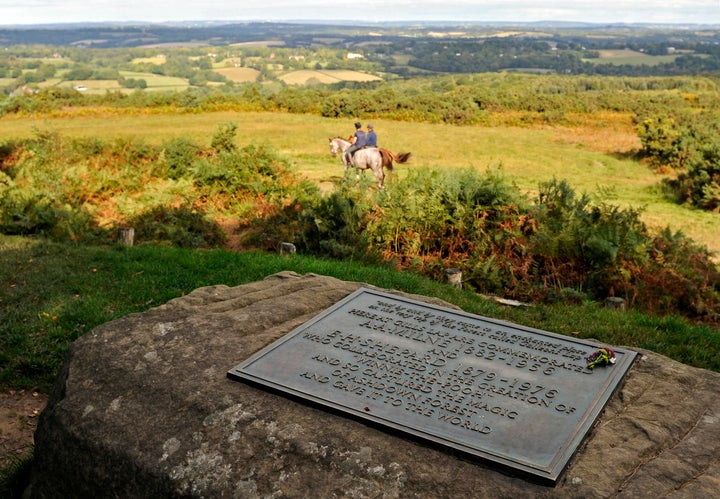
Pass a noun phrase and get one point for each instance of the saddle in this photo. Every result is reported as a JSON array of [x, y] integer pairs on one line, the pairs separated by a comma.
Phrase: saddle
[[351, 154]]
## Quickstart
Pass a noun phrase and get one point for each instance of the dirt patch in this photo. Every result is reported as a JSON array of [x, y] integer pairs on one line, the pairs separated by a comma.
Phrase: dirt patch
[[234, 233], [19, 411]]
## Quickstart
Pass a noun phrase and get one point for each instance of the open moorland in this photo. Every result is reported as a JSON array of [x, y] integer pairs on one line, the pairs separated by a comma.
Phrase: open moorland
[[223, 134], [596, 156]]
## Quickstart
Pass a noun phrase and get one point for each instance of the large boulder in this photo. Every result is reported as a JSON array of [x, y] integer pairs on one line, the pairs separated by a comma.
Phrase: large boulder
[[143, 408]]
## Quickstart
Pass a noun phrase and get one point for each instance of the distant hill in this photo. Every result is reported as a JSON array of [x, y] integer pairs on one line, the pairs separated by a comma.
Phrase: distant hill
[[133, 34], [406, 49]]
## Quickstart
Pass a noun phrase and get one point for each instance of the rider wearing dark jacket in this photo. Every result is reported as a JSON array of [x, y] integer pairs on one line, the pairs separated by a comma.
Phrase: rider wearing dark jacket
[[359, 141], [371, 137]]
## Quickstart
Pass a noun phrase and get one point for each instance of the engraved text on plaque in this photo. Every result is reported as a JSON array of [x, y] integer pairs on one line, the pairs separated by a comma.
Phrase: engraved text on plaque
[[507, 394]]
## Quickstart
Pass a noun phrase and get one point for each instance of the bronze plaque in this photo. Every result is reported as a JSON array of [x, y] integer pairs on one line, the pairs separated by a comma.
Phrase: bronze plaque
[[518, 397]]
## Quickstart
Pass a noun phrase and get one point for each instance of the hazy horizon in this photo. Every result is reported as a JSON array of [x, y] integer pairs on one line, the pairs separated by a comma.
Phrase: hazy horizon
[[38, 12]]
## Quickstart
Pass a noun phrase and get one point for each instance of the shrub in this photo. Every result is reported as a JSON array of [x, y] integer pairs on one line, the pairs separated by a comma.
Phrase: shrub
[[183, 227], [691, 146], [333, 225], [433, 220], [563, 246], [699, 183], [243, 173], [179, 155], [676, 279], [224, 139], [24, 212], [583, 245]]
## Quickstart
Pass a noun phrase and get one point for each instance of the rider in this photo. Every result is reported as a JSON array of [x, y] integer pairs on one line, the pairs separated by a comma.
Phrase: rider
[[358, 142], [371, 136]]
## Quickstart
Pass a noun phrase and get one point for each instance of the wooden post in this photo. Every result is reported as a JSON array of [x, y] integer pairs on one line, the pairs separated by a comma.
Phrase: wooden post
[[126, 235], [615, 303], [454, 277], [286, 248]]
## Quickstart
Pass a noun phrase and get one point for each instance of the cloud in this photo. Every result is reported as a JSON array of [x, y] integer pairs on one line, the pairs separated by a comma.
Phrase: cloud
[[47, 11]]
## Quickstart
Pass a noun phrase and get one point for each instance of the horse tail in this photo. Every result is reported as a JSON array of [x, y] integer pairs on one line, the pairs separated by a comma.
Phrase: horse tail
[[403, 157], [387, 158]]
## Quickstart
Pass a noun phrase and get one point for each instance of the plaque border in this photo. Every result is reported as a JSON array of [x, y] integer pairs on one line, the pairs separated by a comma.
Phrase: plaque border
[[547, 475]]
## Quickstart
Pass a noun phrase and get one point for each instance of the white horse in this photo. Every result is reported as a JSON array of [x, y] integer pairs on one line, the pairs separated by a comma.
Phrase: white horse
[[367, 158]]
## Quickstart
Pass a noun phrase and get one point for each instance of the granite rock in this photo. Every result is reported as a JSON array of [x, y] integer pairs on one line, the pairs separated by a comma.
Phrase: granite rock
[[143, 408]]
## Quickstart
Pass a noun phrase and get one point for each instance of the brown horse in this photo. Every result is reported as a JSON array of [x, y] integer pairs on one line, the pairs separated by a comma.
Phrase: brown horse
[[368, 158]]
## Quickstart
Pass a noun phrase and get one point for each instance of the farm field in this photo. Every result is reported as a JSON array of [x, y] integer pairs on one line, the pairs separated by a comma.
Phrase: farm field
[[239, 75], [306, 76], [172, 83], [631, 57], [87, 86], [594, 158], [154, 82], [299, 77]]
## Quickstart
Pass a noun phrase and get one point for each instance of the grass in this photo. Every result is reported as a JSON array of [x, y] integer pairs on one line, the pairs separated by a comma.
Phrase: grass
[[158, 82], [631, 57], [154, 82], [303, 77], [51, 294], [89, 86], [595, 157], [240, 75], [171, 83], [158, 59]]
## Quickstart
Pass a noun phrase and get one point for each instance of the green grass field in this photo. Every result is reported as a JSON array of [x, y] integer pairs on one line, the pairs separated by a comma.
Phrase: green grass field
[[154, 82], [158, 82], [594, 158], [631, 57], [87, 86], [158, 59], [171, 83]]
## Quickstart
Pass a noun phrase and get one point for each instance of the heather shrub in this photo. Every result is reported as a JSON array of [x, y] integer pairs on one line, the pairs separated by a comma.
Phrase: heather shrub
[[183, 227], [247, 179], [559, 246], [224, 139], [689, 144], [23, 211], [584, 245], [334, 225], [178, 156], [435, 219], [678, 277]]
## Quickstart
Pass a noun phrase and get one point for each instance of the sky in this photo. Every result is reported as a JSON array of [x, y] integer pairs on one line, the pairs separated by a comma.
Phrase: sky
[[23, 12]]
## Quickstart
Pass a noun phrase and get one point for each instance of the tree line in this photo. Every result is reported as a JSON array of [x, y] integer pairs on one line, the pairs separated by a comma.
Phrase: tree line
[[397, 51]]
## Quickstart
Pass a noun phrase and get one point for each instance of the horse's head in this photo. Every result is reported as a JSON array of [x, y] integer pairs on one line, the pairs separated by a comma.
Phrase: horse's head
[[334, 148], [337, 146]]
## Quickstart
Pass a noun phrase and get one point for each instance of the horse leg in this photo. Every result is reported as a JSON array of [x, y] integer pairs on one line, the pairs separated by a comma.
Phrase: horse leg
[[379, 176], [346, 166]]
